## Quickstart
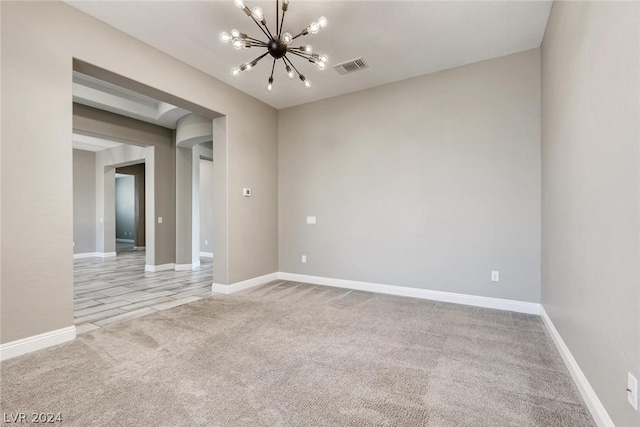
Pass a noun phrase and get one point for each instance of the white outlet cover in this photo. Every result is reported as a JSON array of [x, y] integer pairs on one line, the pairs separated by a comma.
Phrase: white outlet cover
[[495, 276], [311, 220], [159, 220], [304, 259], [246, 192], [632, 396]]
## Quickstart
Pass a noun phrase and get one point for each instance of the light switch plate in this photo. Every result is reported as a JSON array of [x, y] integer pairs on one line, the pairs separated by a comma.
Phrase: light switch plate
[[159, 220], [311, 220], [304, 259], [495, 276], [246, 192]]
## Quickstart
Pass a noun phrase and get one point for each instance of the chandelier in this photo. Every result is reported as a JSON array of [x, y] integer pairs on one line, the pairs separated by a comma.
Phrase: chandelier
[[278, 44]]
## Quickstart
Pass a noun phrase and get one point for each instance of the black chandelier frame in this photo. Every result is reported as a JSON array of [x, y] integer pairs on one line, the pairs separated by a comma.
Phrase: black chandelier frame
[[278, 45]]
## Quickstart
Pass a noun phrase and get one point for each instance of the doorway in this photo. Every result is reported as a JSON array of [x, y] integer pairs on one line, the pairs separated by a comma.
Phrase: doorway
[[130, 208], [125, 212], [140, 223]]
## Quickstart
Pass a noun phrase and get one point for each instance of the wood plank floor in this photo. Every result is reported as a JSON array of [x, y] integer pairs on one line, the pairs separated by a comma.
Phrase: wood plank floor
[[111, 290]]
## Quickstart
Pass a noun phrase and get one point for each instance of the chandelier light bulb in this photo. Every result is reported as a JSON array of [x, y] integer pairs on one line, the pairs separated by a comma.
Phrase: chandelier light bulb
[[290, 72], [306, 82], [287, 38], [322, 65], [235, 33], [270, 85], [307, 48], [237, 43], [314, 28], [249, 67], [257, 13], [324, 58], [239, 3], [235, 71], [225, 37], [322, 21]]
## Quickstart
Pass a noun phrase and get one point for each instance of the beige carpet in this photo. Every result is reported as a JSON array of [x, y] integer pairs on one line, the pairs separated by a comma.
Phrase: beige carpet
[[301, 355]]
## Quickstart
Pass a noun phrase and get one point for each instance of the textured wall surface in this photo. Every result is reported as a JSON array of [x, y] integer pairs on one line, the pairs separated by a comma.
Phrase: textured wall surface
[[206, 205], [431, 182], [84, 202], [590, 191]]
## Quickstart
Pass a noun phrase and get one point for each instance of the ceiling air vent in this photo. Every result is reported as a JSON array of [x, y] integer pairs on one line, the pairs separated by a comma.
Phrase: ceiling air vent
[[351, 66]]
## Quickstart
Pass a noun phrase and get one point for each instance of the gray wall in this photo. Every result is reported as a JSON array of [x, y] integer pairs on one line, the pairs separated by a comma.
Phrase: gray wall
[[125, 207], [36, 82], [84, 201], [431, 182], [590, 192], [206, 205]]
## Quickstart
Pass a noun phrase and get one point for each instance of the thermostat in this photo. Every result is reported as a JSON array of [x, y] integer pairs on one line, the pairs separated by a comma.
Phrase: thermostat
[[246, 192]]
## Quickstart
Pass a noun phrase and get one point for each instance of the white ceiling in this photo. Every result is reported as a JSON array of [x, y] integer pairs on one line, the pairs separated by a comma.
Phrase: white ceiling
[[398, 39], [90, 143], [99, 94]]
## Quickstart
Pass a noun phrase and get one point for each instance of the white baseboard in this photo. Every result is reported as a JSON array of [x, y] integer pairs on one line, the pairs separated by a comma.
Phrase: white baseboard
[[119, 240], [86, 255], [474, 300], [187, 267], [598, 412], [37, 342], [206, 254], [161, 267], [105, 254], [94, 255], [245, 284]]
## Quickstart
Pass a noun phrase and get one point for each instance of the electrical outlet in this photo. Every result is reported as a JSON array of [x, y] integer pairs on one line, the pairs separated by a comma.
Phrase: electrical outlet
[[311, 220], [159, 220], [632, 391], [495, 276], [304, 259], [206, 243]]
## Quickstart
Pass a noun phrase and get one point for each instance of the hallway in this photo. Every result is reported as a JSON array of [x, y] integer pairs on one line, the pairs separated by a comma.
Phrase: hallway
[[112, 290]]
